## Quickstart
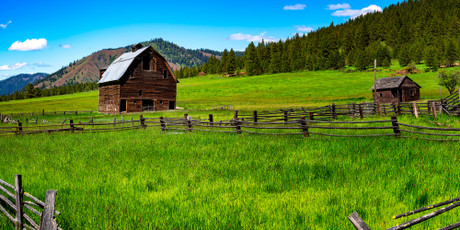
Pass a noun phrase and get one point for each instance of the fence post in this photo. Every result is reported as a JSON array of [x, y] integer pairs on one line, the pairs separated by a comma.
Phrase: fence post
[[236, 114], [415, 109], [71, 125], [399, 109], [285, 116], [132, 121], [142, 120], [384, 110], [18, 195], [188, 121], [433, 109], [114, 121], [356, 220], [237, 126], [360, 108], [394, 109], [379, 111], [19, 127], [76, 112], [1, 118], [334, 115], [211, 119], [47, 218], [254, 114], [312, 116], [394, 123], [163, 125], [91, 120], [304, 126]]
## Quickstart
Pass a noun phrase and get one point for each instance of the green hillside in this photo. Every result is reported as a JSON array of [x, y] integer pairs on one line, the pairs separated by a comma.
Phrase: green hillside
[[247, 93]]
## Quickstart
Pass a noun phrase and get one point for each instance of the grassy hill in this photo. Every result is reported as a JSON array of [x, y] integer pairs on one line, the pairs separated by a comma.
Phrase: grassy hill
[[249, 93]]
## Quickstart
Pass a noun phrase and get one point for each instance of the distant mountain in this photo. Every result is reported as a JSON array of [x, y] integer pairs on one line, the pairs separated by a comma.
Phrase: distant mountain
[[87, 69], [18, 82]]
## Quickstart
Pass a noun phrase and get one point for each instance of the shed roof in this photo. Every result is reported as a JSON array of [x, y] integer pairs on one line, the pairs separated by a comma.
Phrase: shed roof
[[391, 82], [118, 67]]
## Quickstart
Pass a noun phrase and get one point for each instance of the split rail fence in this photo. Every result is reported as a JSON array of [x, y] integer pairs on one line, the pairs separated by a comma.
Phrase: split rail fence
[[288, 125], [12, 203], [359, 224]]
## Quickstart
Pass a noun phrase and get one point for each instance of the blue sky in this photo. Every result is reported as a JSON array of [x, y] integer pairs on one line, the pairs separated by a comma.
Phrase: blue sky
[[43, 36]]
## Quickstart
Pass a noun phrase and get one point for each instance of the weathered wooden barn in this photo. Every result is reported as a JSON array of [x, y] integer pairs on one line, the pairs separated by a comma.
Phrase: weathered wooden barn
[[140, 80], [395, 90]]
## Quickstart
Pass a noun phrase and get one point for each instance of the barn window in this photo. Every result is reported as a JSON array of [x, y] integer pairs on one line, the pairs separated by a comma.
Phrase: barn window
[[394, 93], [412, 92], [161, 102], [140, 92], [146, 62], [165, 74]]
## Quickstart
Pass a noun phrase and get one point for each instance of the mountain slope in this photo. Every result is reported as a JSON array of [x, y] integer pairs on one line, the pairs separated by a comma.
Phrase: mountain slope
[[87, 69], [18, 82]]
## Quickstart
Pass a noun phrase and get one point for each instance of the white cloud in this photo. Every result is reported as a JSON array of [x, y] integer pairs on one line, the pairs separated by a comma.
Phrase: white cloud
[[5, 25], [252, 38], [65, 46], [295, 7], [29, 44], [355, 13], [339, 6], [12, 67], [304, 28]]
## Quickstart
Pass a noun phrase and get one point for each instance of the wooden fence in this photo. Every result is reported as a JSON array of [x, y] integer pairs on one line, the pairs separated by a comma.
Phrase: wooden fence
[[43, 113], [289, 125], [359, 224], [13, 202]]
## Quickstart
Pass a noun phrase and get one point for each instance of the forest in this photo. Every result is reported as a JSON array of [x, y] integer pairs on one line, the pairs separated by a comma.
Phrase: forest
[[413, 31]]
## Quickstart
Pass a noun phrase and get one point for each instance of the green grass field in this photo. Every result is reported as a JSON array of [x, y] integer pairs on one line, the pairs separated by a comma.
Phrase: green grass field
[[249, 93], [143, 179]]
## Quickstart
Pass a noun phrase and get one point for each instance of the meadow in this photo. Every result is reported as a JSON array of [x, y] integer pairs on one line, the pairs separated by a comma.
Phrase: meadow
[[250, 93], [144, 179]]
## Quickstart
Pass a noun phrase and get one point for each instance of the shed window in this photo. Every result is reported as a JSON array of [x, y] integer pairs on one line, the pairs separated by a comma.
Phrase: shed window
[[380, 94], [146, 62], [412, 92], [394, 93], [165, 74], [161, 102], [140, 92]]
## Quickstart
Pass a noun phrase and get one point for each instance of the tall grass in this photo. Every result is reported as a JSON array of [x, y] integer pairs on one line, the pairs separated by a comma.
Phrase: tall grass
[[145, 179]]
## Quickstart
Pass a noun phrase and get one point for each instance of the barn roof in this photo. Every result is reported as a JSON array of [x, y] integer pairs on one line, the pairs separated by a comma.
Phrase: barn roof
[[118, 68], [391, 82]]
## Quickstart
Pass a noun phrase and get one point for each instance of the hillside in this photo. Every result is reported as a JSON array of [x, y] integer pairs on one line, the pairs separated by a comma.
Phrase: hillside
[[87, 69], [18, 82], [272, 91]]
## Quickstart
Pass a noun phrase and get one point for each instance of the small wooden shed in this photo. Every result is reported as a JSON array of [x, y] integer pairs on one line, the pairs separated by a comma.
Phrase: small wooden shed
[[140, 80], [395, 90]]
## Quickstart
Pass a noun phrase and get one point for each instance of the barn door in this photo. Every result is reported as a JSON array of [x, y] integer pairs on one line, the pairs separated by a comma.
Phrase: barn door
[[123, 105], [172, 105]]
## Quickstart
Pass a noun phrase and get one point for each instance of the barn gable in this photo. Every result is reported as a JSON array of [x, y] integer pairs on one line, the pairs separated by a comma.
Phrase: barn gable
[[137, 81]]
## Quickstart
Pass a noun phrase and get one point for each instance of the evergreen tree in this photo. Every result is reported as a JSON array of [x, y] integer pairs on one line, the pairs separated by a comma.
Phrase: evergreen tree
[[251, 60], [404, 56], [223, 68], [275, 58], [231, 62], [431, 59], [451, 54]]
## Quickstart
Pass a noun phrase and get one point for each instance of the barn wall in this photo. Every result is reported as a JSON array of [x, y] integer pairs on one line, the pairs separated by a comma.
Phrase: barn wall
[[151, 83], [387, 97], [406, 87], [109, 98]]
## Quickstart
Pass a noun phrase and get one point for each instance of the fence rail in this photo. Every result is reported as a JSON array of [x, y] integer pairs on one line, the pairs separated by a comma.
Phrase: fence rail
[[359, 224], [12, 203], [293, 125]]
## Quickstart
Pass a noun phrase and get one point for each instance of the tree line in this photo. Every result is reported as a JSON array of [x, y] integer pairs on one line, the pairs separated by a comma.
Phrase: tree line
[[31, 92], [413, 31]]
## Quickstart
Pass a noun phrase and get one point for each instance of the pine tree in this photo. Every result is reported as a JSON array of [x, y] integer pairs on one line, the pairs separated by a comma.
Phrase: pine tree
[[451, 54], [223, 67], [431, 59], [275, 58], [251, 60], [231, 62], [404, 56]]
